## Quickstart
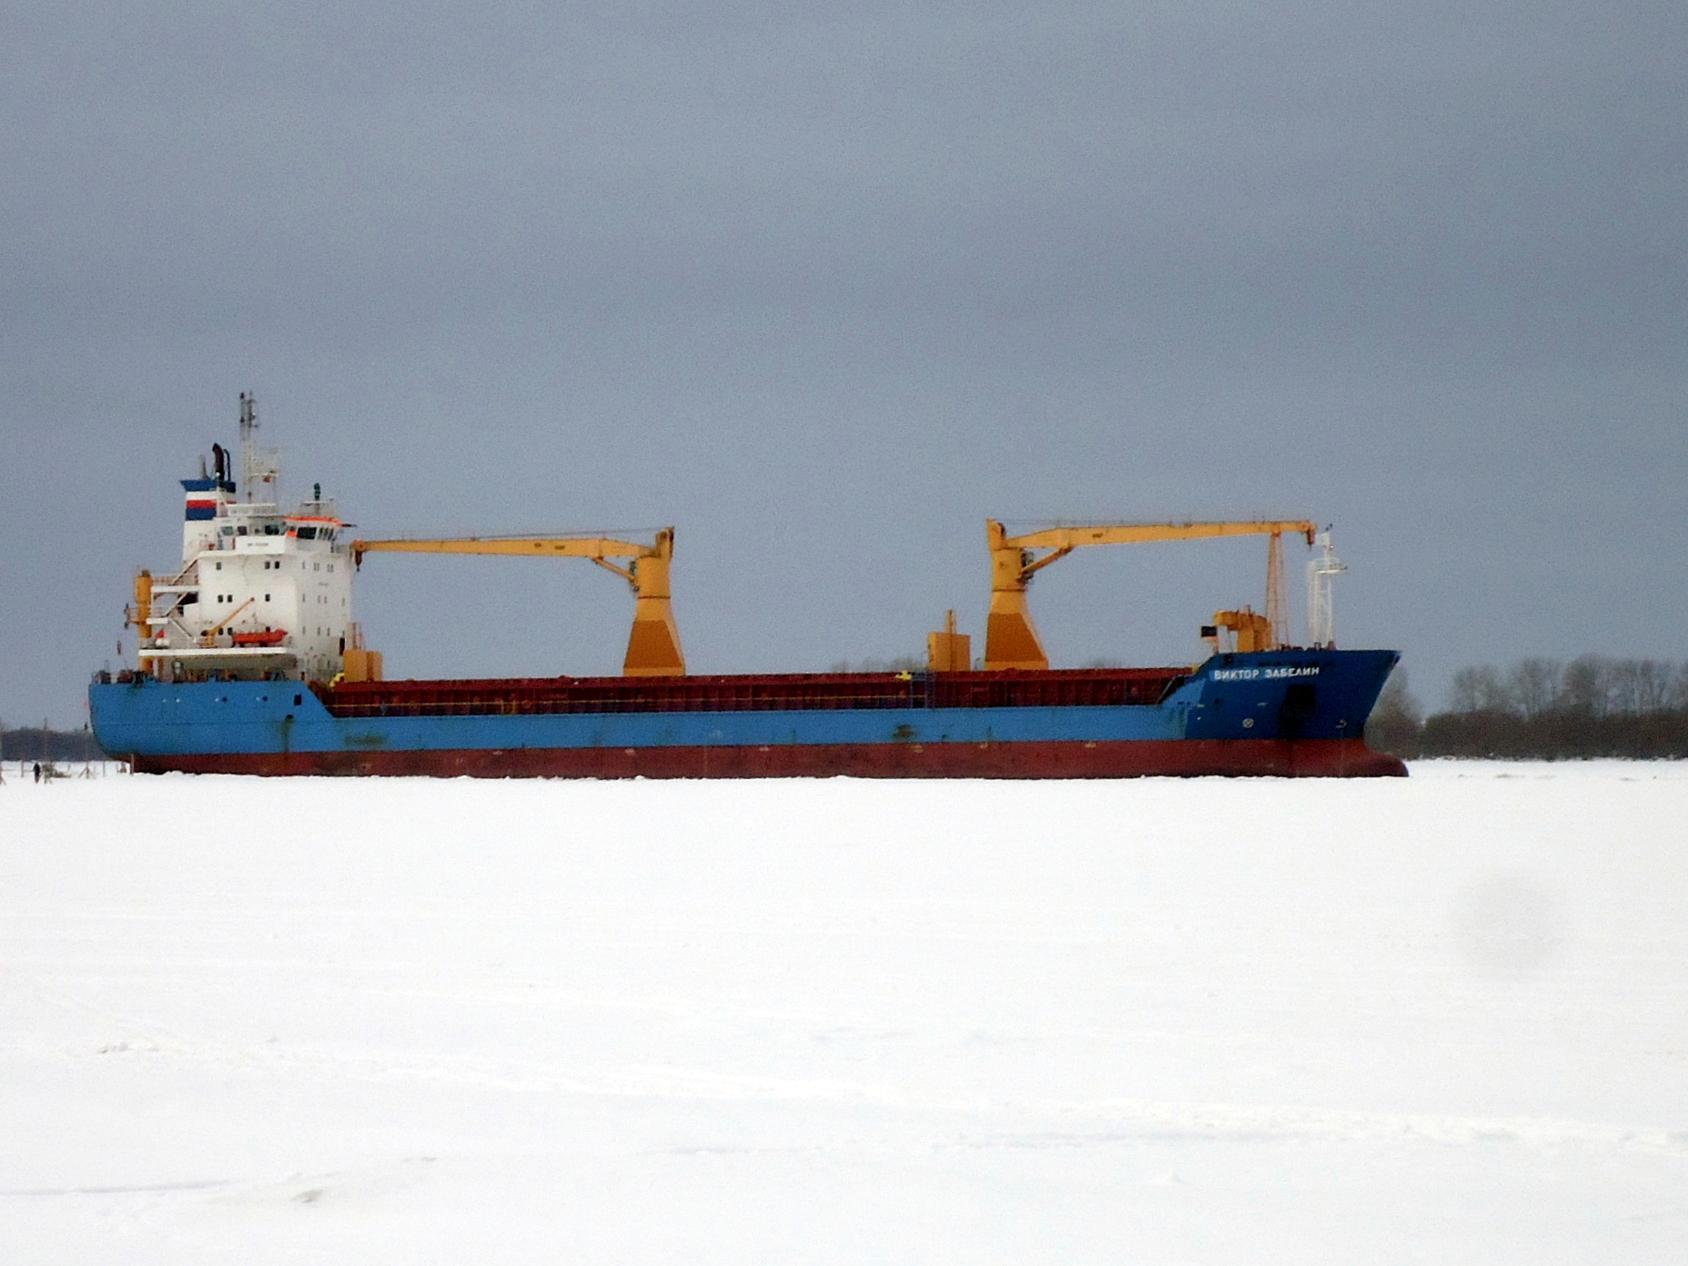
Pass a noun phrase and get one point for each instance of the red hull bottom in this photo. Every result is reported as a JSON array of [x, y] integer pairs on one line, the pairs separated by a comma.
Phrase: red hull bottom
[[1185, 758]]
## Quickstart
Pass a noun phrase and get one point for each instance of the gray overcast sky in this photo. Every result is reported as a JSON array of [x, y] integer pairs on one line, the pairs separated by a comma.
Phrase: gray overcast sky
[[824, 286]]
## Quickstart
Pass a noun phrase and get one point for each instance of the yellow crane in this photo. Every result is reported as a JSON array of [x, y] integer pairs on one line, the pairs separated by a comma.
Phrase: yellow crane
[[1011, 640], [653, 648]]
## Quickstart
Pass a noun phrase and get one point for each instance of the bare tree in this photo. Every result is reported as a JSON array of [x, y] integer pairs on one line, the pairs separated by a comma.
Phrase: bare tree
[[1533, 685], [1653, 682], [1396, 718], [1586, 687], [1639, 685], [1679, 687], [1480, 689]]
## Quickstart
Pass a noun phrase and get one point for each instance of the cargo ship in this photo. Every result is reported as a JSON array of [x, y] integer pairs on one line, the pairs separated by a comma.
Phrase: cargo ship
[[248, 660]]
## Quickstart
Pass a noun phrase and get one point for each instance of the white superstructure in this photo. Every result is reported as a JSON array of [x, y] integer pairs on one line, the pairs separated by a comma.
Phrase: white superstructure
[[260, 593]]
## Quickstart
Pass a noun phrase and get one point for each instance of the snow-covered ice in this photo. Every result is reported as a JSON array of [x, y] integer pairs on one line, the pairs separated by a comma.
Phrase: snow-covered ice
[[1435, 1020]]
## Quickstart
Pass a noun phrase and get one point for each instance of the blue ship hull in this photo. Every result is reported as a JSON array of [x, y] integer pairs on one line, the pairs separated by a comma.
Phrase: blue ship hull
[[1277, 712]]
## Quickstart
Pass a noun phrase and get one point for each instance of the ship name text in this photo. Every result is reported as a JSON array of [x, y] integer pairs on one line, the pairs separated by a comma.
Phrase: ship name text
[[1265, 674]]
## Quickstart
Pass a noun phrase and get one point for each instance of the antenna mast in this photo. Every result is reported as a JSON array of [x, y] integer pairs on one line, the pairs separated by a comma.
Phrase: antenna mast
[[257, 465], [1321, 614], [248, 441], [1277, 614]]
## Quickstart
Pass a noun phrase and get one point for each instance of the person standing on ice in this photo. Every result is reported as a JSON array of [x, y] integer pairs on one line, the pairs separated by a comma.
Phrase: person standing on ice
[[37, 771]]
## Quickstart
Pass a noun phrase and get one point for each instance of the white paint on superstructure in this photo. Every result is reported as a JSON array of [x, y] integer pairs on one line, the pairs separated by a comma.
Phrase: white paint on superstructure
[[259, 592]]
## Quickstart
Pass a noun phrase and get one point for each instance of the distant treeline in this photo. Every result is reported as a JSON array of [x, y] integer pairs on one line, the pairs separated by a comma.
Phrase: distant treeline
[[40, 743], [1544, 709]]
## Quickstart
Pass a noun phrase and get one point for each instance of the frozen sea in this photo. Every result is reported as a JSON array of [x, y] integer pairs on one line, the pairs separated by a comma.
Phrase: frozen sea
[[1440, 1020]]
